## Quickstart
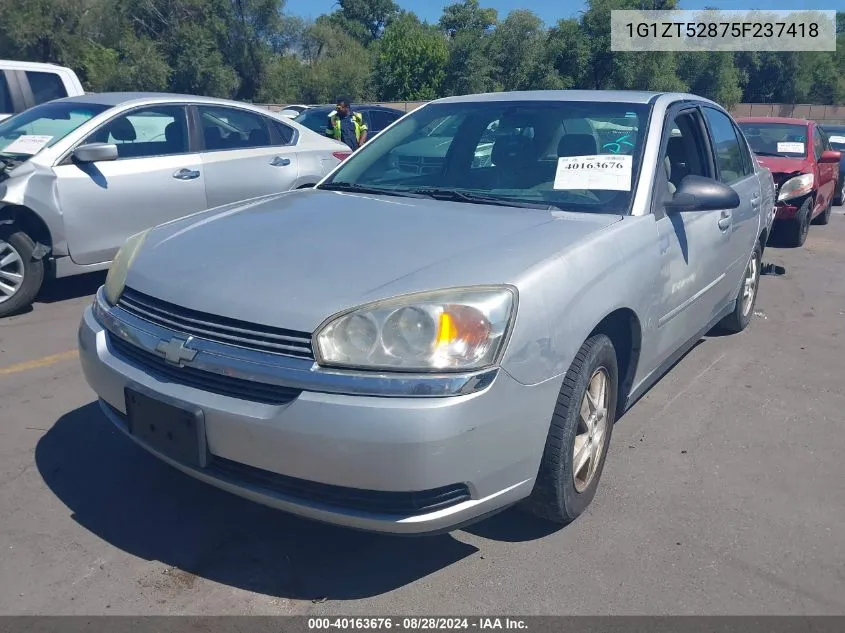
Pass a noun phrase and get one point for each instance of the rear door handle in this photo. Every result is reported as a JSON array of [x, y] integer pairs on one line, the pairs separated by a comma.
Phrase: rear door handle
[[186, 174], [278, 161]]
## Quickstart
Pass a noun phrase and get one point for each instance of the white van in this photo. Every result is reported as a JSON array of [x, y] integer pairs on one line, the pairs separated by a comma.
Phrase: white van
[[26, 84]]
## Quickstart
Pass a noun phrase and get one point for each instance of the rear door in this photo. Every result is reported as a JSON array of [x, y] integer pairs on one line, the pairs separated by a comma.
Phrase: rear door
[[245, 154], [156, 178], [735, 169], [828, 172], [379, 120]]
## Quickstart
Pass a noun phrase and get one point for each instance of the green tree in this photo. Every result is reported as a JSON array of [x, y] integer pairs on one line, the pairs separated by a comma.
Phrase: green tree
[[410, 60], [469, 68], [518, 52], [336, 64], [712, 75], [468, 16]]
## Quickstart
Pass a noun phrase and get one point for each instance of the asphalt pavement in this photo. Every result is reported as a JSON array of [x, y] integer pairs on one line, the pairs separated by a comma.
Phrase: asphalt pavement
[[724, 493]]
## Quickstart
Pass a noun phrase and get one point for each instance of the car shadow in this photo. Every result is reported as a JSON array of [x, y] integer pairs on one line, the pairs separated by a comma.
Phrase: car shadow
[[144, 507], [56, 290]]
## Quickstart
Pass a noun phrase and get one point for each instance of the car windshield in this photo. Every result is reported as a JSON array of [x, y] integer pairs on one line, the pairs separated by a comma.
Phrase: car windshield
[[314, 119], [776, 139], [836, 136], [571, 155], [29, 132]]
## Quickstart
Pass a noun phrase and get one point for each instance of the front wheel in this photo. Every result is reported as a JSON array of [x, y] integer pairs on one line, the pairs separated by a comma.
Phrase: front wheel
[[796, 230], [21, 275], [579, 435]]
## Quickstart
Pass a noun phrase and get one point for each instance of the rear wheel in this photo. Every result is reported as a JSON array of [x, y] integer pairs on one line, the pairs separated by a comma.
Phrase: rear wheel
[[795, 230], [746, 298], [579, 435], [21, 275]]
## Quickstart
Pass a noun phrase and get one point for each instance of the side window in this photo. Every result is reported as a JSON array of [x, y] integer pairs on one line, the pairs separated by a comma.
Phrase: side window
[[685, 152], [45, 86], [825, 144], [6, 106], [145, 132], [726, 147], [747, 161], [231, 128], [818, 143], [285, 131]]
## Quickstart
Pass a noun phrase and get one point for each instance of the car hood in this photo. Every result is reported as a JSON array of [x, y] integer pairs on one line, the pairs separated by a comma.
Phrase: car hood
[[784, 165], [295, 259]]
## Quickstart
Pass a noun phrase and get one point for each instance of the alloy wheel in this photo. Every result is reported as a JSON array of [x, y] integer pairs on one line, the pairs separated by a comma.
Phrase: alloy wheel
[[591, 434], [11, 271], [749, 285]]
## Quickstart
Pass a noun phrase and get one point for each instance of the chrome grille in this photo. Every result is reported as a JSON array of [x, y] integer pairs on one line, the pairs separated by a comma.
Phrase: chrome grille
[[202, 380], [216, 328]]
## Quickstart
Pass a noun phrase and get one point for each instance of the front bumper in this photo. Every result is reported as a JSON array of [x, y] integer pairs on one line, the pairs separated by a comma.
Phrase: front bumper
[[350, 460]]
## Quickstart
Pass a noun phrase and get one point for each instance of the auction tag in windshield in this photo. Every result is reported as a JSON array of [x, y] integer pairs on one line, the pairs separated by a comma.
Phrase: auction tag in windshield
[[27, 144], [791, 148], [837, 139], [603, 171]]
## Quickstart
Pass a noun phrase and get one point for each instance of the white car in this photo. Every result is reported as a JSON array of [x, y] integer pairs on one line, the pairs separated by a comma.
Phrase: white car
[[27, 84]]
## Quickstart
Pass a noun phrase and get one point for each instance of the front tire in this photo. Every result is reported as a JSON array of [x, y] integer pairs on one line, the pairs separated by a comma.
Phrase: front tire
[[824, 216], [21, 275], [746, 298], [796, 230], [579, 435]]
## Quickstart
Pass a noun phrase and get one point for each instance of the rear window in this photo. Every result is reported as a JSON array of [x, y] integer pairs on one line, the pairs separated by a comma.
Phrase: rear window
[[45, 86], [316, 120]]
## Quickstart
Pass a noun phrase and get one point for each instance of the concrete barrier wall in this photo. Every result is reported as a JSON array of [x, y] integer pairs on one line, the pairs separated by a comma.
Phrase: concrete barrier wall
[[828, 113]]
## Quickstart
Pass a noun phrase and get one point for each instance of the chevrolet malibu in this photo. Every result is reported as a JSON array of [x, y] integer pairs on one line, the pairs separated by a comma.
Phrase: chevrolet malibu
[[410, 352]]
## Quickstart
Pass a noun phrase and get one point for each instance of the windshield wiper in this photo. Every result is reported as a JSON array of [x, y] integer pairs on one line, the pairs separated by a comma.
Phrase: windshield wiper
[[770, 154], [354, 188], [455, 195], [8, 161]]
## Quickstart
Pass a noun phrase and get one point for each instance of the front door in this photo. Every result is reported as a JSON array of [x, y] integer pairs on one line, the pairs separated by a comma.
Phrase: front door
[[828, 172], [154, 179], [246, 154], [694, 246]]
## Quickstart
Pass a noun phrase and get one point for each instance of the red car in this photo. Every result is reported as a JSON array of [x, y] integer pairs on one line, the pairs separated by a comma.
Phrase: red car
[[804, 167]]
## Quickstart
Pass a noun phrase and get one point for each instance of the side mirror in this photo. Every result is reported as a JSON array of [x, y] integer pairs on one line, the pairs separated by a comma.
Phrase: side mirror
[[830, 156], [697, 193], [95, 152]]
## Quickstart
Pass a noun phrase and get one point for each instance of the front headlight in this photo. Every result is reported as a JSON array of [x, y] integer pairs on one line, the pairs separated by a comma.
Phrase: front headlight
[[116, 278], [444, 330], [796, 187]]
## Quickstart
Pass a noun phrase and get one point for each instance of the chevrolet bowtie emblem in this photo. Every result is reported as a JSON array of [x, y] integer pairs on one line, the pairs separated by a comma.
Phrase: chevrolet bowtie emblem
[[176, 351]]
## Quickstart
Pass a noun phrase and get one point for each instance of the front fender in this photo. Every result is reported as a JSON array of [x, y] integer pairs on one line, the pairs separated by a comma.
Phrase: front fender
[[573, 292], [34, 187]]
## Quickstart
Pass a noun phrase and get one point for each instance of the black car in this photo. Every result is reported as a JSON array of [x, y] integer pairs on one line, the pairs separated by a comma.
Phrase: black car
[[376, 117], [836, 137]]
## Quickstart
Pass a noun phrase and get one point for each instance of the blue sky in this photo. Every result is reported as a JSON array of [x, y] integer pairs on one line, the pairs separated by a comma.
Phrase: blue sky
[[551, 10]]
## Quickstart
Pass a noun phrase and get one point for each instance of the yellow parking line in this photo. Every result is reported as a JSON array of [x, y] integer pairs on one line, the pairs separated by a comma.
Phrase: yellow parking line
[[38, 363]]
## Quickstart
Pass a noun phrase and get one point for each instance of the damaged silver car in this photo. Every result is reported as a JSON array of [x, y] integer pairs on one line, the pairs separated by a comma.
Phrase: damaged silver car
[[79, 175]]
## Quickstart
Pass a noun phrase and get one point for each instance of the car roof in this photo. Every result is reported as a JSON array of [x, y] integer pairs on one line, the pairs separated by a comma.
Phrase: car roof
[[120, 98], [12, 63], [619, 96], [355, 106], [772, 119]]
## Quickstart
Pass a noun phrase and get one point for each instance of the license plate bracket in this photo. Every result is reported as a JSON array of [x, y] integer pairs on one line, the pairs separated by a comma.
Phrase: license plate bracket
[[174, 429]]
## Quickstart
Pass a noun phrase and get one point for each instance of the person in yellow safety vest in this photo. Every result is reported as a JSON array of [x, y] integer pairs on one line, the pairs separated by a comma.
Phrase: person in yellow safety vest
[[347, 126]]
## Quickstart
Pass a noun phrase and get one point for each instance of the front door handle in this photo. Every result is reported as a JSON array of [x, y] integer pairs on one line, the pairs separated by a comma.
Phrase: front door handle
[[278, 161], [725, 221], [186, 174]]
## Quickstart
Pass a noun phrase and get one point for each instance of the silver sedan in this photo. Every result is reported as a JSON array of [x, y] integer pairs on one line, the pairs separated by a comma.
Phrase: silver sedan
[[410, 351], [78, 176]]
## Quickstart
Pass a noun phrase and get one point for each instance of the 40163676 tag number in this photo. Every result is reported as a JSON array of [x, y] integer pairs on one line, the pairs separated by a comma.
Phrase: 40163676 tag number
[[591, 165]]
